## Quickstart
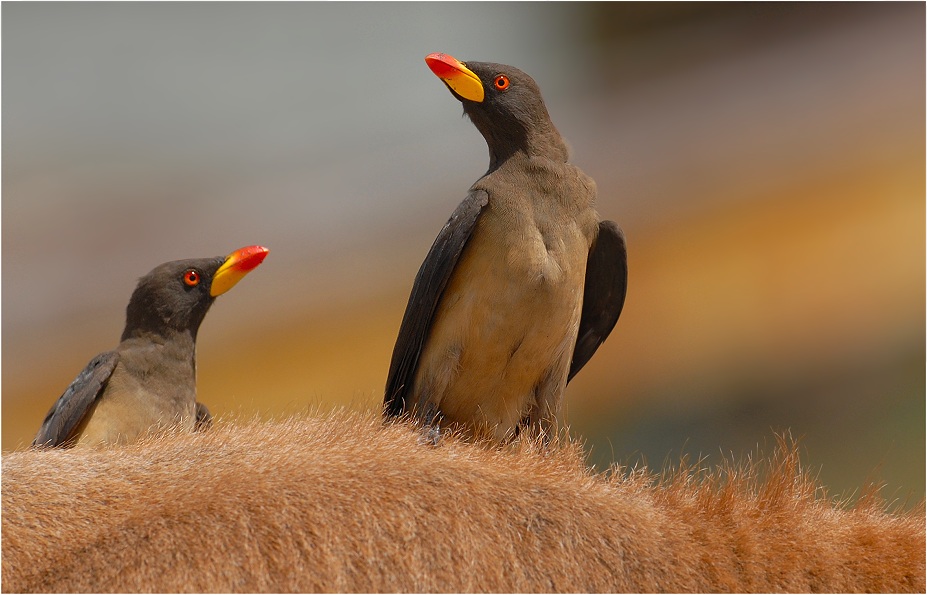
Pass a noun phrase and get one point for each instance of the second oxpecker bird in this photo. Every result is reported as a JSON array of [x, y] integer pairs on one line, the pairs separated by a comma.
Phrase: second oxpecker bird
[[149, 380], [522, 284]]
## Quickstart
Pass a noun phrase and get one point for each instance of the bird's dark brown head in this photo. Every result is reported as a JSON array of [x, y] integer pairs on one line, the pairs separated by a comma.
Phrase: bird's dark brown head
[[175, 296], [504, 104]]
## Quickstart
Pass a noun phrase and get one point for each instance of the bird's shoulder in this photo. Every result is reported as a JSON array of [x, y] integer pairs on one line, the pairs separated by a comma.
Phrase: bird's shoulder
[[539, 190], [525, 174], [171, 357]]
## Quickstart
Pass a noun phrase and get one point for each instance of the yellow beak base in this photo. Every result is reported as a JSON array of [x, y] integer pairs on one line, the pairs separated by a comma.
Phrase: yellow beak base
[[455, 75]]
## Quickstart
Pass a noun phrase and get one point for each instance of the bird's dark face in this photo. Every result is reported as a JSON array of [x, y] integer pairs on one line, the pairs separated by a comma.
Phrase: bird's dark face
[[504, 104], [175, 296]]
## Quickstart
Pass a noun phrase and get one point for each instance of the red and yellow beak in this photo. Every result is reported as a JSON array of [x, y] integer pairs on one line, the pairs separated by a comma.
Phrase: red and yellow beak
[[237, 264], [455, 75]]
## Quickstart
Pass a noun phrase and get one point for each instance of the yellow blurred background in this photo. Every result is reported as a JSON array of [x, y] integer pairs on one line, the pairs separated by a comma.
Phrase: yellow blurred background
[[766, 162]]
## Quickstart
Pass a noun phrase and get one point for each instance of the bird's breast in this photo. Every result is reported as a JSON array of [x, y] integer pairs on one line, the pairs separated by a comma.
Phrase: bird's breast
[[507, 321], [151, 387]]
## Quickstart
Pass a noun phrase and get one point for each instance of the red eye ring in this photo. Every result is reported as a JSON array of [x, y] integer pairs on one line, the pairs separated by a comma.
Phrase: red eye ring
[[501, 82], [191, 277]]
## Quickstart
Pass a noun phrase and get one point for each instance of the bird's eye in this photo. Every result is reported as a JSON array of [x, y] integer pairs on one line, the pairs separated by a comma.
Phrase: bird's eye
[[191, 278], [501, 82]]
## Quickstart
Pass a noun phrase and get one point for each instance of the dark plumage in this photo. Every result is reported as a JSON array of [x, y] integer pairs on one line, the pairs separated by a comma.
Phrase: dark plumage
[[522, 284], [149, 380]]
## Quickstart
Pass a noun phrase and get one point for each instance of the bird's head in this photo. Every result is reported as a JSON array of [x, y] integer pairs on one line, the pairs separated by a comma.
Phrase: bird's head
[[504, 104], [175, 296]]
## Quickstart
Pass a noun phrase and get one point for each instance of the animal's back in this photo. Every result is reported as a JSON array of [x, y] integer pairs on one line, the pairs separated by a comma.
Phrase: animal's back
[[347, 504]]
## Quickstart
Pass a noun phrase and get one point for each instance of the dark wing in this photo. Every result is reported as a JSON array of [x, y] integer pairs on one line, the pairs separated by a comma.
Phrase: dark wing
[[71, 407], [603, 294], [429, 284]]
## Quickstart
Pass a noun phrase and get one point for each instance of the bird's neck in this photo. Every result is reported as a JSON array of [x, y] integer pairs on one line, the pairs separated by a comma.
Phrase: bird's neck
[[161, 336], [543, 141], [172, 356]]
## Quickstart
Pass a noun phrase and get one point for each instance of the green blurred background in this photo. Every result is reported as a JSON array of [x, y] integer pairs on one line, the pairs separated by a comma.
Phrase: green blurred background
[[766, 162]]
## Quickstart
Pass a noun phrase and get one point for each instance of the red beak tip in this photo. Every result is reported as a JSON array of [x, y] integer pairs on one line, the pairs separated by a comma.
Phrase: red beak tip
[[251, 257], [442, 65]]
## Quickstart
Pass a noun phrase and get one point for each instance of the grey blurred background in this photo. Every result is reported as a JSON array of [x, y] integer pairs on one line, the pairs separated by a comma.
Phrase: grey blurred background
[[765, 160]]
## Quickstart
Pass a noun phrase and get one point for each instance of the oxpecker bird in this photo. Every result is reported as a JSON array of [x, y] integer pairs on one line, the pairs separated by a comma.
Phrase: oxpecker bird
[[149, 380], [522, 284]]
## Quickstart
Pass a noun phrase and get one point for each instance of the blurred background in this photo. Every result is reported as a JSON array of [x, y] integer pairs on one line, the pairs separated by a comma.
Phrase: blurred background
[[766, 162]]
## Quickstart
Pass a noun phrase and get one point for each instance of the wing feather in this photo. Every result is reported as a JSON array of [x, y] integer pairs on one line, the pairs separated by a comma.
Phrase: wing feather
[[72, 406], [603, 293], [426, 294]]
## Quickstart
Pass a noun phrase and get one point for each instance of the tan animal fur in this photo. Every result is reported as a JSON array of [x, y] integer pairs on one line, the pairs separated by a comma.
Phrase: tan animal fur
[[342, 503]]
